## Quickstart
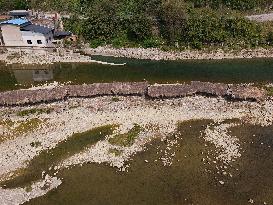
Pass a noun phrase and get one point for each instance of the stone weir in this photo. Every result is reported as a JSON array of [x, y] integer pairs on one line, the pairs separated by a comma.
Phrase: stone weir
[[231, 91]]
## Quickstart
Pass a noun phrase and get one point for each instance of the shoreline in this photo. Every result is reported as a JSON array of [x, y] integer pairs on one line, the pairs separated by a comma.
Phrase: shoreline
[[157, 54], [45, 57], [84, 55]]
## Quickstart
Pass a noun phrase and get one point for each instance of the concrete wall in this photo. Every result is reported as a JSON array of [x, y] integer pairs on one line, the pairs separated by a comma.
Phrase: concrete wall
[[235, 92], [34, 37], [12, 35]]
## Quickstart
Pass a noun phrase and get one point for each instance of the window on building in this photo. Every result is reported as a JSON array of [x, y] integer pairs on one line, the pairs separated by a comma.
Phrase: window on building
[[46, 40], [50, 38], [39, 42], [29, 42]]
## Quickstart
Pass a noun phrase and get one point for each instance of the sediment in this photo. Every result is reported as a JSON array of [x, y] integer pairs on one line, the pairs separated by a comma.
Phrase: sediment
[[230, 91]]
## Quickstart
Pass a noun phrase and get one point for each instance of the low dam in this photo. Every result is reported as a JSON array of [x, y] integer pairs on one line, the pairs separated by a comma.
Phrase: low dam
[[155, 91]]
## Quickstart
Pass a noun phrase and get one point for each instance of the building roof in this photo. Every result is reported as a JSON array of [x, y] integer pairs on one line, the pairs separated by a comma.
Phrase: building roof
[[19, 13], [16, 22], [37, 29], [61, 34]]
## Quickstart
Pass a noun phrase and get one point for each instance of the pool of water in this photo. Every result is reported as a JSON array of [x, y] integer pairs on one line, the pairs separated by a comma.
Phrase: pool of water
[[228, 71], [189, 180]]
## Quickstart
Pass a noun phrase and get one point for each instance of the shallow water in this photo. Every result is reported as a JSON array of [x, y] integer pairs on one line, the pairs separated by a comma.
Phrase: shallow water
[[189, 180], [228, 71]]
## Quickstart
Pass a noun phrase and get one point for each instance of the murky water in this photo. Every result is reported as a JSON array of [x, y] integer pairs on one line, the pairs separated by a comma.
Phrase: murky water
[[189, 180], [229, 71]]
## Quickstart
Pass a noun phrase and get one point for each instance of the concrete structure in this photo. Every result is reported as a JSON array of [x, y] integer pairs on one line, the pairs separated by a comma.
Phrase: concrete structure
[[261, 17], [22, 33], [20, 13]]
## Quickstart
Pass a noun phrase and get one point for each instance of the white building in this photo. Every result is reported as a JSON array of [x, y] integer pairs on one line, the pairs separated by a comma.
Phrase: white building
[[22, 33]]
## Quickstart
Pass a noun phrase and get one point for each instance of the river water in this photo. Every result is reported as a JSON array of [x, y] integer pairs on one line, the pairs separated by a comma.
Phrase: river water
[[228, 71], [190, 179]]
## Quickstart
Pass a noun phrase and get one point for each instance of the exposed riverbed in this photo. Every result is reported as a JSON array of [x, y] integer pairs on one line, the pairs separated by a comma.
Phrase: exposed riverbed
[[132, 150]]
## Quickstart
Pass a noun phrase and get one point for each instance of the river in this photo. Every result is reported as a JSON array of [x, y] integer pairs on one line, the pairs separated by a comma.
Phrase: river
[[227, 71]]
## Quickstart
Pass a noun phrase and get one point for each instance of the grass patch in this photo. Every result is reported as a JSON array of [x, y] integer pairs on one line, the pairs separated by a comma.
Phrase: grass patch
[[17, 128], [269, 91], [115, 99], [4, 138], [127, 139], [115, 151], [35, 144], [7, 123], [50, 158], [28, 188], [27, 126], [33, 111]]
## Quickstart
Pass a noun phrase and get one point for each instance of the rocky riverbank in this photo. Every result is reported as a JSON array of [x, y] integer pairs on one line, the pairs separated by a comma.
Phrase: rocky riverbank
[[43, 57], [157, 54], [33, 57]]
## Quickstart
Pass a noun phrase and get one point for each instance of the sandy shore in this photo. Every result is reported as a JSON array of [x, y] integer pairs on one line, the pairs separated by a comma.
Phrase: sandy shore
[[158, 118], [157, 54]]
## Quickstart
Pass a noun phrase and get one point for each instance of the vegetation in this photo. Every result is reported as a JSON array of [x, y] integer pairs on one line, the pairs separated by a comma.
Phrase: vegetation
[[115, 99], [35, 144], [269, 91], [175, 24], [127, 139], [172, 24], [27, 126], [33, 111], [115, 151]]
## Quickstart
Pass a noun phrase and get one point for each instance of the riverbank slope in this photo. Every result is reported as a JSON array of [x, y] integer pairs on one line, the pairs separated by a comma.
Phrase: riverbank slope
[[158, 54]]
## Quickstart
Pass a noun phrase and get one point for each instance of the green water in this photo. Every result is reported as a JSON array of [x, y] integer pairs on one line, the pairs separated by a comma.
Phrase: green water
[[229, 71], [188, 181]]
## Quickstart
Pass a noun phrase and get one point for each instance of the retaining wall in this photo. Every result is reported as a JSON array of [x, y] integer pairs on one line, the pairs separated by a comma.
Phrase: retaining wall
[[23, 97]]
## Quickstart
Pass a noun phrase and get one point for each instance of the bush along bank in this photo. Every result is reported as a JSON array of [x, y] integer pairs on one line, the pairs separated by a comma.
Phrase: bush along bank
[[168, 25]]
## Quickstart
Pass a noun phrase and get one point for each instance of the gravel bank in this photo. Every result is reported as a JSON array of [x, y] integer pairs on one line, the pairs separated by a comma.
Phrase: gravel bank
[[42, 58], [157, 54]]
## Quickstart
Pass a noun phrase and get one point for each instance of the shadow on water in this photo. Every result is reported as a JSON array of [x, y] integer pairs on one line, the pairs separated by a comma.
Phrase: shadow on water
[[185, 182], [227, 71], [50, 158]]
